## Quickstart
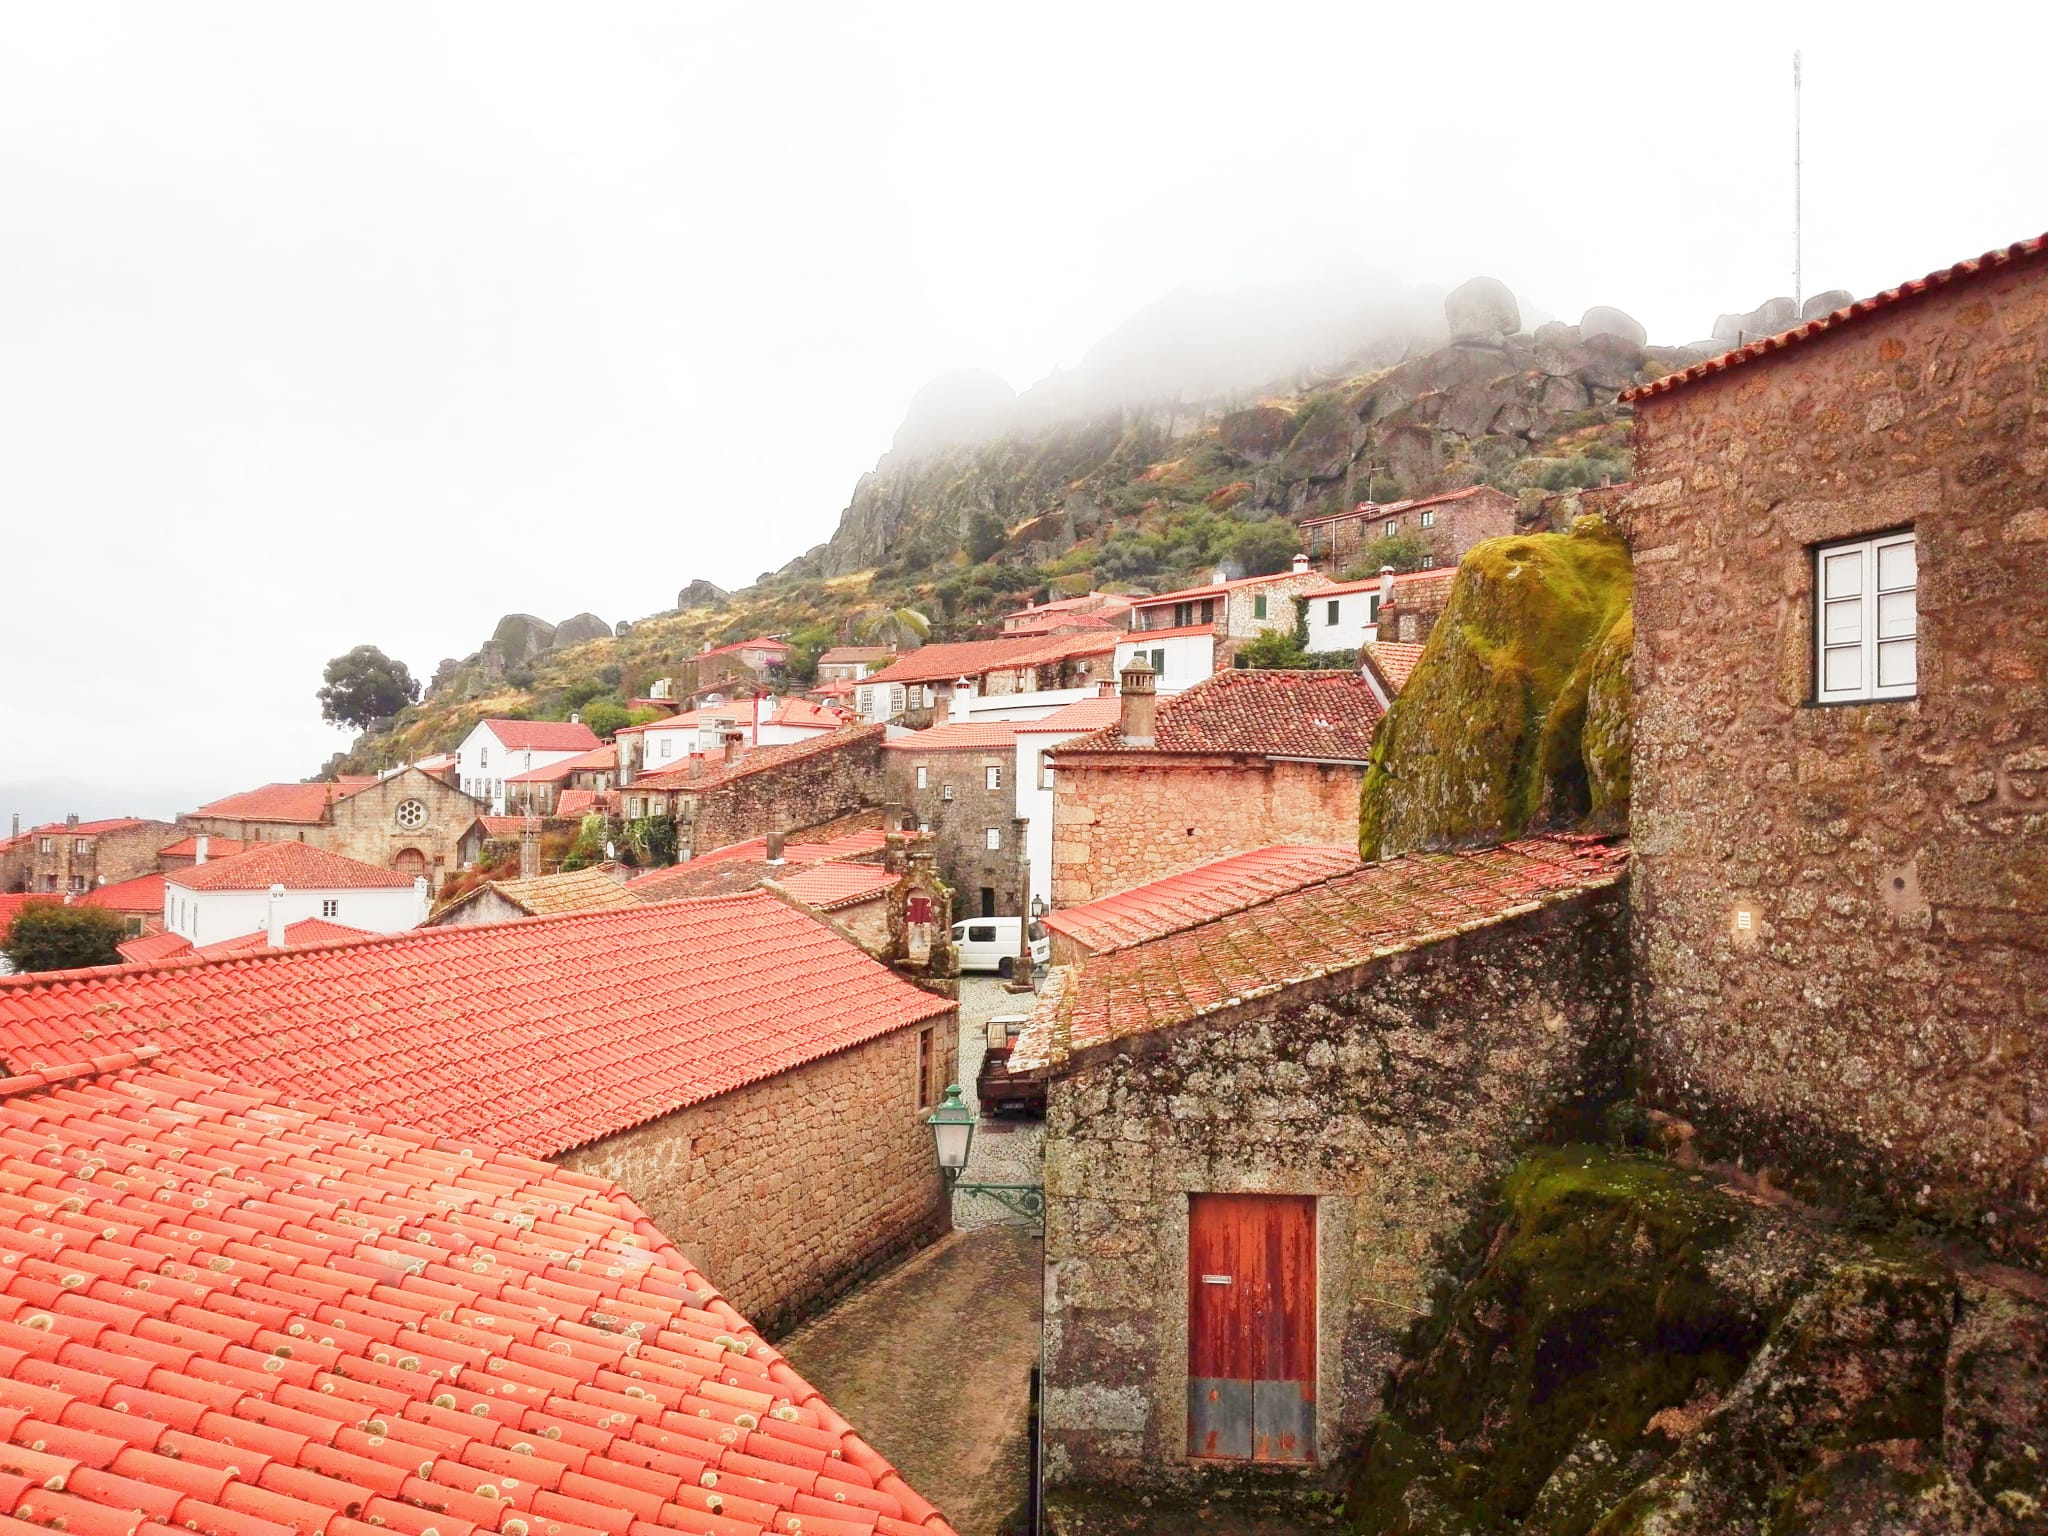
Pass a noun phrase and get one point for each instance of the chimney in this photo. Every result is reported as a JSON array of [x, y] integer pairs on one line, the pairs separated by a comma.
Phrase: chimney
[[276, 935], [1140, 702], [200, 845], [1301, 565], [17, 825], [1386, 585], [1105, 688], [775, 849], [575, 717], [735, 745], [421, 903], [71, 821]]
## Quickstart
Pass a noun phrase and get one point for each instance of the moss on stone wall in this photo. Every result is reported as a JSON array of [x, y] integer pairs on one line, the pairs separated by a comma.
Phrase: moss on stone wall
[[1641, 1350], [1516, 715]]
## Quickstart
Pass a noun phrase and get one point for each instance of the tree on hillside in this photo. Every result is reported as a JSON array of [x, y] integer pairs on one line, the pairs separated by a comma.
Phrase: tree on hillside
[[49, 936], [365, 685], [1266, 547], [605, 717], [1403, 551]]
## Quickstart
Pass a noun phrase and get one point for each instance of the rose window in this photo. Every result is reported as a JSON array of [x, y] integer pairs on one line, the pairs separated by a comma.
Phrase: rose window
[[411, 814]]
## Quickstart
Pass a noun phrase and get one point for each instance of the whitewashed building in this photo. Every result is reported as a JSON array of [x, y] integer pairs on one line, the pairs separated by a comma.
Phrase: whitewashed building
[[496, 750], [272, 886]]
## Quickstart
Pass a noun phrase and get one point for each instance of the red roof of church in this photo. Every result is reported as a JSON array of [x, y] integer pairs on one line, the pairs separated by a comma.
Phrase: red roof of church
[[1199, 895], [543, 735], [230, 1312], [277, 802], [1320, 716], [542, 1034], [1920, 288], [295, 866], [1333, 925]]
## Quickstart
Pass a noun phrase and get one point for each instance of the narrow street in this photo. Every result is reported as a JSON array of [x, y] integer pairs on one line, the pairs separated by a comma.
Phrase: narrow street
[[933, 1360]]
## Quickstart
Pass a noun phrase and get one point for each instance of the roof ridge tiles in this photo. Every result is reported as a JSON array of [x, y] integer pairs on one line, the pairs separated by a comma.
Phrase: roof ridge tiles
[[91, 1066]]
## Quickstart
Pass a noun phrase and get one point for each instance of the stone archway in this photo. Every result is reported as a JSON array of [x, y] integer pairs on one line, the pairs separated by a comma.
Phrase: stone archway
[[411, 862]]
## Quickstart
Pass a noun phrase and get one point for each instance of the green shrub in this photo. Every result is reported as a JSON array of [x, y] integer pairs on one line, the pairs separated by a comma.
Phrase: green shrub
[[606, 717], [49, 936]]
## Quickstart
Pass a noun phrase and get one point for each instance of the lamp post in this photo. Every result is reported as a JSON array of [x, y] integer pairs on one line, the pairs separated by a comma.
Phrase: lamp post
[[953, 1126]]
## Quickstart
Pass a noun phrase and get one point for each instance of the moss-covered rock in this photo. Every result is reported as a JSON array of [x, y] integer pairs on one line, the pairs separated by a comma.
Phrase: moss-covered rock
[[1517, 714], [1642, 1351]]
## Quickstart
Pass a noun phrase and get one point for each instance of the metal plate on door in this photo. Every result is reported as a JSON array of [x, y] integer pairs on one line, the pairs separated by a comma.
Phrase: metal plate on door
[[1283, 1421], [1219, 1417]]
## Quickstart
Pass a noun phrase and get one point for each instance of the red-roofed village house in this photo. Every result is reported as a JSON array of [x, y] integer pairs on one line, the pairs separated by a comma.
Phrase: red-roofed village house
[[71, 857]]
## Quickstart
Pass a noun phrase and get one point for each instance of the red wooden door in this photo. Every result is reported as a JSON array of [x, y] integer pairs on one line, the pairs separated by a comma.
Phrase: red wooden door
[[1252, 1327]]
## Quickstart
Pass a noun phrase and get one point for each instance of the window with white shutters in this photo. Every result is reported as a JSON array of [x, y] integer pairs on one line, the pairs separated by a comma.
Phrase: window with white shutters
[[995, 776], [1866, 620], [995, 838]]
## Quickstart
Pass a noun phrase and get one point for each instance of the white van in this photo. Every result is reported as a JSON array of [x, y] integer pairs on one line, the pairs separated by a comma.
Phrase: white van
[[990, 944]]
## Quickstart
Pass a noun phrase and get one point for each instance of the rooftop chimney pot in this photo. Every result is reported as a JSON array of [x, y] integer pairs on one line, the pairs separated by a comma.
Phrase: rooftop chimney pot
[[735, 745], [1301, 565], [71, 820], [200, 845], [276, 934], [775, 848], [1140, 702]]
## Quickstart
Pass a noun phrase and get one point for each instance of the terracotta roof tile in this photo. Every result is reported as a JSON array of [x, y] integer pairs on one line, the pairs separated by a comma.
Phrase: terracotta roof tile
[[540, 1035], [710, 772], [581, 802], [1199, 895], [831, 886], [276, 802], [153, 949], [253, 1316], [1404, 582], [217, 847], [542, 735], [846, 655], [295, 866], [957, 736], [1081, 715], [145, 893], [944, 662], [575, 890], [759, 642], [1324, 928], [83, 829], [12, 902], [742, 866], [1321, 716], [1934, 282], [599, 757], [1395, 661]]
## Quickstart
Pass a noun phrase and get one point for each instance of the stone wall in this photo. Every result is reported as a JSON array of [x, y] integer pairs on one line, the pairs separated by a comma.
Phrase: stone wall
[[959, 824], [791, 1191], [1841, 913], [109, 857], [365, 826], [801, 792], [1145, 818], [1396, 1093], [1346, 546]]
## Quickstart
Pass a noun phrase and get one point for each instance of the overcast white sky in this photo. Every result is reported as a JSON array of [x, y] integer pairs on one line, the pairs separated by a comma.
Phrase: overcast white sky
[[322, 325]]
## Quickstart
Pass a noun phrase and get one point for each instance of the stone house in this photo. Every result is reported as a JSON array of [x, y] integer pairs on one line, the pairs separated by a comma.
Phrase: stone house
[[1450, 523], [541, 789], [726, 1062], [958, 782], [1409, 613], [71, 857], [750, 792], [502, 901], [532, 1350], [409, 821], [1247, 759], [763, 720], [1265, 1130], [1840, 902], [1239, 610], [1352, 614], [851, 663], [761, 661], [1046, 618]]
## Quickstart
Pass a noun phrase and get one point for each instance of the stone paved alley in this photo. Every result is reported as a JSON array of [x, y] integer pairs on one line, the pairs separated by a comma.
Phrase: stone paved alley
[[933, 1359]]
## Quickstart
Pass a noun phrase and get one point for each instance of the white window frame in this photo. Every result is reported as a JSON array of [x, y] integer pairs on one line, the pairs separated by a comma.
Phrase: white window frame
[[1429, 562], [1429, 519], [1393, 527], [993, 774], [995, 839], [923, 779], [330, 906], [945, 791], [1865, 631]]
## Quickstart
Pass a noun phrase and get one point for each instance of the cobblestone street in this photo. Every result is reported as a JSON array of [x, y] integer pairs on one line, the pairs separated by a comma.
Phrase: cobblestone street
[[932, 1361]]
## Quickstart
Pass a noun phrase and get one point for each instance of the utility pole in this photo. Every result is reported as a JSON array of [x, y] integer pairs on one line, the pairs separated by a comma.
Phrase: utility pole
[[1798, 291]]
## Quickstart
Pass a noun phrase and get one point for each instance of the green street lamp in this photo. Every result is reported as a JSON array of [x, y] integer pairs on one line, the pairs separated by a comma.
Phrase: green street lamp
[[952, 1126]]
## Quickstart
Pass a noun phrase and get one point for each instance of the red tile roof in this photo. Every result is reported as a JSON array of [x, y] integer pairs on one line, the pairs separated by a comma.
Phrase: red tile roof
[[971, 658], [542, 1034], [957, 736], [154, 948], [276, 802], [710, 772], [1368, 510], [742, 866], [1395, 661], [145, 893], [295, 866], [1199, 895], [1404, 581], [831, 886], [1101, 602], [1058, 623], [1934, 282], [1332, 926], [1321, 716], [847, 655], [600, 757], [580, 802], [542, 735], [758, 643], [83, 829], [228, 1312], [217, 847], [1081, 715]]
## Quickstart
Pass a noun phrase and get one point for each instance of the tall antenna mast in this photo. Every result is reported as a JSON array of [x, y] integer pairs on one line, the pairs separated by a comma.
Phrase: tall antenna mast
[[1798, 290]]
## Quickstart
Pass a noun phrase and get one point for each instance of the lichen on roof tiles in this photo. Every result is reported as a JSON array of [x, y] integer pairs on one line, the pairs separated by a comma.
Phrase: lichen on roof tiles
[[1322, 716]]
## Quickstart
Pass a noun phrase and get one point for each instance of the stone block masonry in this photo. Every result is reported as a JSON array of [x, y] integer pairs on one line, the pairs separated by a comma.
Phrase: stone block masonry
[[1140, 819], [1841, 911], [795, 1189], [1394, 1093]]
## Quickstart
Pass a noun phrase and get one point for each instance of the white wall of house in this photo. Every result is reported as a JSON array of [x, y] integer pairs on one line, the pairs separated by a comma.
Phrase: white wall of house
[[483, 764], [880, 701], [1181, 661], [1033, 777], [208, 917], [1016, 706], [1356, 620]]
